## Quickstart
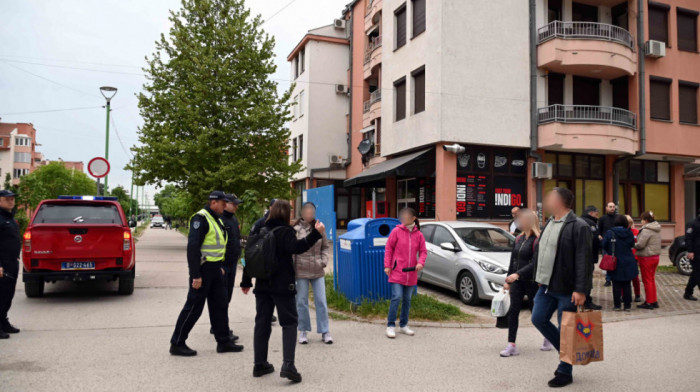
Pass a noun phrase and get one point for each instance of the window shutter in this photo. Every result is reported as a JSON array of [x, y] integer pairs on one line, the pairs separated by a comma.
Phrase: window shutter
[[418, 17], [660, 104], [400, 99], [688, 103], [687, 31], [658, 23], [401, 27], [419, 91]]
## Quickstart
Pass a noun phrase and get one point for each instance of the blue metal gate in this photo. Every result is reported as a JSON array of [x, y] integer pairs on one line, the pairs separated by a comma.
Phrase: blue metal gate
[[324, 199]]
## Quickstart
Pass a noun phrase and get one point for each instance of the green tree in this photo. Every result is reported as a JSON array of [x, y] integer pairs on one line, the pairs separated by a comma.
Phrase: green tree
[[128, 203], [213, 118], [51, 181]]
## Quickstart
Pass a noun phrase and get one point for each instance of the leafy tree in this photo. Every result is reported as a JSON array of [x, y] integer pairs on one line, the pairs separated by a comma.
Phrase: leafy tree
[[128, 203], [213, 118], [51, 181]]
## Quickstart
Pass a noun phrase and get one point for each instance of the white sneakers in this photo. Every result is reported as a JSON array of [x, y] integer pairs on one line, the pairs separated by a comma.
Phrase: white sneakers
[[546, 346], [303, 339], [327, 338], [391, 332], [407, 331], [510, 351]]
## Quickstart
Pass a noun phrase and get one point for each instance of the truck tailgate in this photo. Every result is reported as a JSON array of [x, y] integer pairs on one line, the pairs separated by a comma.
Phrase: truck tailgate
[[77, 242]]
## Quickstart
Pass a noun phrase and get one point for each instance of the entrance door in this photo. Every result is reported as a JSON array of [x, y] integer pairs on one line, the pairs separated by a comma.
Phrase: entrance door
[[584, 13], [621, 92], [586, 91], [555, 89]]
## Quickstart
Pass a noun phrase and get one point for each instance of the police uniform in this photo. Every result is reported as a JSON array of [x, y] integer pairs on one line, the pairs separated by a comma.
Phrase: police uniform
[[10, 247], [206, 247], [233, 246], [692, 243]]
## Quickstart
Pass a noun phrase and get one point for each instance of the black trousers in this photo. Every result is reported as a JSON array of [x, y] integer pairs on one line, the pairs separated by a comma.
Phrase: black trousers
[[518, 290], [622, 289], [230, 279], [213, 291], [8, 283], [287, 314], [694, 279]]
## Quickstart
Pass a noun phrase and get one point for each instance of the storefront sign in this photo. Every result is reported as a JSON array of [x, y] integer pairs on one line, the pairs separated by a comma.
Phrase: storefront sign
[[426, 198]]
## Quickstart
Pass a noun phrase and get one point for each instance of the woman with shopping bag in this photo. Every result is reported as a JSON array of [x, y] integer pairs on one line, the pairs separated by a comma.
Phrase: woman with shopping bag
[[519, 282], [618, 242]]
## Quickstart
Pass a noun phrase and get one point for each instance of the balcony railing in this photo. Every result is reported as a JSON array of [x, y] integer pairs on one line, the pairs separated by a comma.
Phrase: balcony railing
[[373, 44], [374, 97], [585, 30], [587, 114]]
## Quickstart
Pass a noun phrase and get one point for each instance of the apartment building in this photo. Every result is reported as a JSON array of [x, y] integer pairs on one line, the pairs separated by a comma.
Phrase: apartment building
[[319, 65], [70, 165], [503, 91], [17, 150]]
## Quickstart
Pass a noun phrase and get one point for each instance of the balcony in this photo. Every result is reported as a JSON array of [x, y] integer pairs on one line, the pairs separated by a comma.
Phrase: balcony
[[372, 108], [599, 129], [595, 50], [372, 13], [373, 55]]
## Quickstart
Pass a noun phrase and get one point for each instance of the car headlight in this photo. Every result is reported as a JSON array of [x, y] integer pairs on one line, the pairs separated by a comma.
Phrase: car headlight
[[490, 267]]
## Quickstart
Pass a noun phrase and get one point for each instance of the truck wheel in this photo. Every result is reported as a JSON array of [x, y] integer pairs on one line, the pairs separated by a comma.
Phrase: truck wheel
[[34, 288], [126, 285]]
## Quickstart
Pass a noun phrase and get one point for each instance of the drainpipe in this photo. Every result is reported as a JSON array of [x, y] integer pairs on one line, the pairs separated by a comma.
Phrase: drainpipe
[[350, 87], [533, 98], [642, 117]]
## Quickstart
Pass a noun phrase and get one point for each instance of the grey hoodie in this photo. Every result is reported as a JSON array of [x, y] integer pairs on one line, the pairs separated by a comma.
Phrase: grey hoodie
[[649, 240]]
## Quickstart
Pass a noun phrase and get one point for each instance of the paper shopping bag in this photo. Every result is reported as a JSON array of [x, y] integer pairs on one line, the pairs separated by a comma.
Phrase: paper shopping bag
[[581, 337]]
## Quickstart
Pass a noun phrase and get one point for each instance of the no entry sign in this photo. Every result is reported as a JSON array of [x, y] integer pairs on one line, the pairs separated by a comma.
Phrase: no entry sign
[[98, 167]]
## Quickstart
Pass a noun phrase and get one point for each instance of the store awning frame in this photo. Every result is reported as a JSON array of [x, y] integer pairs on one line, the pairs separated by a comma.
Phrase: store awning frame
[[382, 170]]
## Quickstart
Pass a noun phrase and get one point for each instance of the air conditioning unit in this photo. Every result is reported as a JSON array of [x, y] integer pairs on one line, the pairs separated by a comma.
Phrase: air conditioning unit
[[655, 49], [335, 159], [341, 89], [339, 24], [542, 171]]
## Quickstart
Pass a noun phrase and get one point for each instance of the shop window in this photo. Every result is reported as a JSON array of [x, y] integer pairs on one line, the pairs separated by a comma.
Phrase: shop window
[[688, 102], [658, 200], [658, 22], [564, 165], [582, 174], [660, 98], [687, 23], [644, 186], [589, 192]]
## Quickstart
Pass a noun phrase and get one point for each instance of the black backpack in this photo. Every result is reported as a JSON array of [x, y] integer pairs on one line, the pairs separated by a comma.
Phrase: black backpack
[[261, 255]]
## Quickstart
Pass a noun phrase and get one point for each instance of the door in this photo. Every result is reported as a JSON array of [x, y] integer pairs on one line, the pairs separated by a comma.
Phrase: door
[[584, 13], [586, 91], [620, 88], [442, 268], [555, 89]]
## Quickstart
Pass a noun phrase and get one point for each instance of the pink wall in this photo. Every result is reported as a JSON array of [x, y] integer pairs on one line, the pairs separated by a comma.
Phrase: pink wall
[[357, 86]]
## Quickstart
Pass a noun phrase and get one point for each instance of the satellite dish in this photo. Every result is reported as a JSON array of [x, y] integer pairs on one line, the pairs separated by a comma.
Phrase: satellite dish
[[365, 147]]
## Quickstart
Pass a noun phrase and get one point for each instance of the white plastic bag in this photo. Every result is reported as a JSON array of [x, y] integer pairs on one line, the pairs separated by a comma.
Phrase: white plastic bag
[[500, 304]]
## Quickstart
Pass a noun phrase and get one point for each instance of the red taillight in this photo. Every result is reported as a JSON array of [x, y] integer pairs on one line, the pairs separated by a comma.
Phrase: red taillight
[[127, 240], [27, 241]]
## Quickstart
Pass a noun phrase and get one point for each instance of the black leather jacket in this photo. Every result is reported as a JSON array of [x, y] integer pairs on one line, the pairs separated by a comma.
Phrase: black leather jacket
[[573, 268], [10, 242], [692, 238], [521, 258]]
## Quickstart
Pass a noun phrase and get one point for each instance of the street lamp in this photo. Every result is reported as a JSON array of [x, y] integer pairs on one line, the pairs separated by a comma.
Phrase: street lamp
[[107, 92]]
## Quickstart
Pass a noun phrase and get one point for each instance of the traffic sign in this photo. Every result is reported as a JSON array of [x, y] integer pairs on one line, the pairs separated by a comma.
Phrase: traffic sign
[[98, 167]]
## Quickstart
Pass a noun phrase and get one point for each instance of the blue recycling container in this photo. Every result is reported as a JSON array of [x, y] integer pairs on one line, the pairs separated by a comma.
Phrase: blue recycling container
[[361, 259]]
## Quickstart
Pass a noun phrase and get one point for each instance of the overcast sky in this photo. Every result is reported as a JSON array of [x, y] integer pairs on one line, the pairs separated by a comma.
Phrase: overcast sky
[[54, 55]]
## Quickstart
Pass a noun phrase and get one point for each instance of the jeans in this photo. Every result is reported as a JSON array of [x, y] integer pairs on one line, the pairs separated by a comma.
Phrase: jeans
[[319, 287], [648, 267], [518, 290], [265, 304], [399, 293], [622, 290], [546, 303]]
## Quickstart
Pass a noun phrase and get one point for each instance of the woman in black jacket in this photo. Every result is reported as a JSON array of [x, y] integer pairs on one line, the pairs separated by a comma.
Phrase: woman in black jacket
[[279, 292], [520, 282]]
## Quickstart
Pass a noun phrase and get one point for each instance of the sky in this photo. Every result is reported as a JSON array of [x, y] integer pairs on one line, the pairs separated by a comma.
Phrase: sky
[[55, 55]]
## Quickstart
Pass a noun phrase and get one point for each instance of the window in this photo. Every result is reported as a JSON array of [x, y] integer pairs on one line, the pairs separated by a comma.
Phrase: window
[[295, 109], [620, 88], [296, 68], [418, 16], [301, 146], [400, 93], [658, 22], [688, 102], [23, 157], [555, 89], [419, 90], [302, 60], [78, 214], [582, 174], [554, 8], [400, 16], [660, 98], [428, 232], [301, 104], [441, 236], [486, 239], [687, 21], [620, 15], [17, 173], [22, 141], [584, 13], [295, 149], [405, 194], [644, 185], [2, 141]]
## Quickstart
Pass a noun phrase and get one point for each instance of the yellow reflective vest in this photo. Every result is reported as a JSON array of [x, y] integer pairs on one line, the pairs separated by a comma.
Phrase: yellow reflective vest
[[214, 246]]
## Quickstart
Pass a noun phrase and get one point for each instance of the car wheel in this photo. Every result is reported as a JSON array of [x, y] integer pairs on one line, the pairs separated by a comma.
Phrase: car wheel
[[34, 288], [126, 285], [683, 264], [467, 288]]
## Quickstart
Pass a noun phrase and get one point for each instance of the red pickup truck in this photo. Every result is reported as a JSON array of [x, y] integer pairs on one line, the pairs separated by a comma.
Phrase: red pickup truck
[[78, 238]]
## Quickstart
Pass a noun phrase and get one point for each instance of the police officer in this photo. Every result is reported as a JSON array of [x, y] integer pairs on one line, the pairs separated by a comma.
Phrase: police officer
[[10, 246], [206, 247], [590, 216], [233, 246], [692, 243]]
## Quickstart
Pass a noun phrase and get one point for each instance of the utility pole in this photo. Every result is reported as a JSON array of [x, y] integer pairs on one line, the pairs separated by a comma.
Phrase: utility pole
[[107, 92]]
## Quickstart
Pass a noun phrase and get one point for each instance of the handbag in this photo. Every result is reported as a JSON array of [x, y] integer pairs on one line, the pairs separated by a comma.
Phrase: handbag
[[581, 337], [609, 262]]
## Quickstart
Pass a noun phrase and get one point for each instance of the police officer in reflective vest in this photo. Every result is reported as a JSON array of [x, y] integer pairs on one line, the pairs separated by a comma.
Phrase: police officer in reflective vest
[[206, 247]]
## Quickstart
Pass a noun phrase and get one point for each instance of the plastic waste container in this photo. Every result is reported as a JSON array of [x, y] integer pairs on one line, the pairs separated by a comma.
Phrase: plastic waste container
[[361, 259]]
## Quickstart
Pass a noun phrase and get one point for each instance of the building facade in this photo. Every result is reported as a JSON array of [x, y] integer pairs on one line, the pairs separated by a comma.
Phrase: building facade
[[17, 150]]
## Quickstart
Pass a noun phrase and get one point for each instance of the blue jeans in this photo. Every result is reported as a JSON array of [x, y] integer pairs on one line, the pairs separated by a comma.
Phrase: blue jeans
[[546, 303], [319, 287], [400, 293]]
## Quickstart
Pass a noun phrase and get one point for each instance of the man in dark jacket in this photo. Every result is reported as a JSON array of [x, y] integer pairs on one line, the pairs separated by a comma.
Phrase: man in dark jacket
[[10, 246], [261, 222], [605, 223], [692, 243], [563, 269], [590, 216]]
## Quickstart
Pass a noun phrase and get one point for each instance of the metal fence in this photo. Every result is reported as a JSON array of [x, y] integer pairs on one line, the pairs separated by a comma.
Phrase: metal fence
[[585, 30], [587, 114], [373, 44], [374, 97]]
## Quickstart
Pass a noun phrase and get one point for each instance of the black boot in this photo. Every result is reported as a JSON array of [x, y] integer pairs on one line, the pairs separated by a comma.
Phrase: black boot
[[560, 380], [230, 334], [289, 371], [4, 335], [689, 297], [593, 306], [228, 347], [261, 370], [646, 306], [182, 350], [9, 328]]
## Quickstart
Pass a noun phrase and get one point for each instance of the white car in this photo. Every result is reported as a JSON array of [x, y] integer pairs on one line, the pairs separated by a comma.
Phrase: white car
[[467, 257], [157, 221]]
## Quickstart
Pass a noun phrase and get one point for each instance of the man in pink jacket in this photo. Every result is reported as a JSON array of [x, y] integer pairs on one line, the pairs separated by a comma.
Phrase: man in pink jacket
[[404, 257]]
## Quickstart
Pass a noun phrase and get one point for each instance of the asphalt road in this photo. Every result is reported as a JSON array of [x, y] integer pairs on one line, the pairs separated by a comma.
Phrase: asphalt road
[[88, 338]]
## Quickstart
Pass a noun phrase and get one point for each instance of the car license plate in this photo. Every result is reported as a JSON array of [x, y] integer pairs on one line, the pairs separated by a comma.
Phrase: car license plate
[[78, 265]]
